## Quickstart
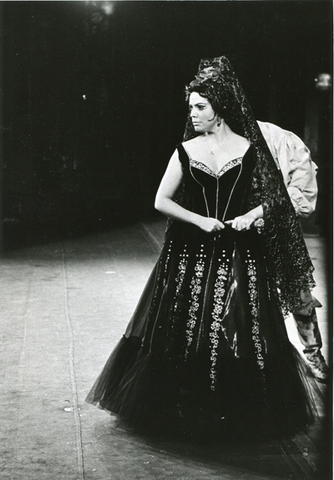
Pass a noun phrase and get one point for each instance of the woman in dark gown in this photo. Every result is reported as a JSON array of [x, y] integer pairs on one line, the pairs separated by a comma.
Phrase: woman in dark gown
[[206, 352]]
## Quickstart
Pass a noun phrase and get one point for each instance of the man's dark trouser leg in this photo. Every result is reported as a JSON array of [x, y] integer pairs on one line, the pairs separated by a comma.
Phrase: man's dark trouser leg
[[310, 337]]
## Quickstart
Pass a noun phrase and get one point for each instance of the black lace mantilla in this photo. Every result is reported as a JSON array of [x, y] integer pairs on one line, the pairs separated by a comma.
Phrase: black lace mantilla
[[282, 231]]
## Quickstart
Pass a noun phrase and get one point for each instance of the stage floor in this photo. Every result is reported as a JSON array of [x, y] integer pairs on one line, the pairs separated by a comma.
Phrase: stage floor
[[64, 305]]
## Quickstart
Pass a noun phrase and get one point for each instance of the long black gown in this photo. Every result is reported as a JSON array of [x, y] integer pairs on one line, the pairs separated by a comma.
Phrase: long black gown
[[206, 352]]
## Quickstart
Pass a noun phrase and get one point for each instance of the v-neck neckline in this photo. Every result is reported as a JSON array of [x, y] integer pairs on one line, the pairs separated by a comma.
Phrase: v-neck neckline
[[229, 164]]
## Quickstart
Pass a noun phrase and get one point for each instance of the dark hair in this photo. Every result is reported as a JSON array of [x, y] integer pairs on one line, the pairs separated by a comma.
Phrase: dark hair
[[222, 100]]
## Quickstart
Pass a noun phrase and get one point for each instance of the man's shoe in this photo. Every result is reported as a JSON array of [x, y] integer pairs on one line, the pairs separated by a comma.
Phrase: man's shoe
[[318, 366]]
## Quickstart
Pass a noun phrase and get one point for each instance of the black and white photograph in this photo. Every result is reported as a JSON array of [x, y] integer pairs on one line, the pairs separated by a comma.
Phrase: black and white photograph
[[166, 222]]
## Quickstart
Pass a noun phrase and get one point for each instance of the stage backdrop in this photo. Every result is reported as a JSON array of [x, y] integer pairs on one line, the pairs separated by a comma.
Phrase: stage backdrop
[[93, 101]]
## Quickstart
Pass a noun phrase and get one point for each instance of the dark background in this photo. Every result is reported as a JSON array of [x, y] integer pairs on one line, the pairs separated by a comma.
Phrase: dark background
[[93, 101]]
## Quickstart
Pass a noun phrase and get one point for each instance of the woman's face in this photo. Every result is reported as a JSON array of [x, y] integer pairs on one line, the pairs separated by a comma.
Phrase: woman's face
[[202, 114]]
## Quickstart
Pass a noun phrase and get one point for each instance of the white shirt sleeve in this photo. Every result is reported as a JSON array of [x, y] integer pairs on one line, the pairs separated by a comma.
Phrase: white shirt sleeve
[[293, 158]]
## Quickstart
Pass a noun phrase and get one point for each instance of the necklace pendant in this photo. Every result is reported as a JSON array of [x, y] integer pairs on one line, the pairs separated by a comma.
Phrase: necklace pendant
[[212, 153]]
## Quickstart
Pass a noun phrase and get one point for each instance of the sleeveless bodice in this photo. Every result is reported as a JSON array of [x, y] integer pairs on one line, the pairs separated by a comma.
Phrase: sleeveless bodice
[[221, 195]]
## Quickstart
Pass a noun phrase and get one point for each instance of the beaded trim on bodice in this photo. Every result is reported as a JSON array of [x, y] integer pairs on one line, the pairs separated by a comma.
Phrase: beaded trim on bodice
[[225, 168]]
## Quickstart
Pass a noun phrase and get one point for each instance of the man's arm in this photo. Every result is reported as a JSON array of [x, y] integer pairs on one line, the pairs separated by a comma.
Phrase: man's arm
[[293, 158]]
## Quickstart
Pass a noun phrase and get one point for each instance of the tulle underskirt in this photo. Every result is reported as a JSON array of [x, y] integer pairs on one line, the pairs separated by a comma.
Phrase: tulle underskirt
[[145, 392]]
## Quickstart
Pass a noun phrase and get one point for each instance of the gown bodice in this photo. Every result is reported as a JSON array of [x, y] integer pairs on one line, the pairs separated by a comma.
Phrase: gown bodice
[[221, 195]]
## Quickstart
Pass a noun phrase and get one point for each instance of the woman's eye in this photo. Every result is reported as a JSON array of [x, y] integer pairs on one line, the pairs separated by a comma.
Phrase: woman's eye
[[198, 107]]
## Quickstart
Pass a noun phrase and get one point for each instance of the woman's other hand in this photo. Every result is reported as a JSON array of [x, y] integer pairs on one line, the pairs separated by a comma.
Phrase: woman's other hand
[[244, 222], [209, 224]]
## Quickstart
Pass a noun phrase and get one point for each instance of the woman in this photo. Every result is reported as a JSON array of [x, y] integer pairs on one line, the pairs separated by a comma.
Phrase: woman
[[206, 351]]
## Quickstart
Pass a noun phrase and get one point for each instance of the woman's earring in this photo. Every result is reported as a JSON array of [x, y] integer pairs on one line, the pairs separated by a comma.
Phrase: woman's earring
[[219, 122]]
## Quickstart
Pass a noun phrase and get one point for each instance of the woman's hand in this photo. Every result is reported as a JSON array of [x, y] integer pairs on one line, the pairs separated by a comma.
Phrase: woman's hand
[[209, 224], [244, 222]]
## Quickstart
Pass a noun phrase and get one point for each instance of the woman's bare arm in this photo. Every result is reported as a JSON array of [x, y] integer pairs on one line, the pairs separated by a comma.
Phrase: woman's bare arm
[[165, 204]]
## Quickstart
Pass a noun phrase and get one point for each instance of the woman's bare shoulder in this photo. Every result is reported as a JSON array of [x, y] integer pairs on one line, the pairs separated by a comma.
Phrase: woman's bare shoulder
[[242, 141]]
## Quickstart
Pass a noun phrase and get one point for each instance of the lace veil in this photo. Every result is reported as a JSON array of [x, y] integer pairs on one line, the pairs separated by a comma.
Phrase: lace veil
[[282, 231]]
